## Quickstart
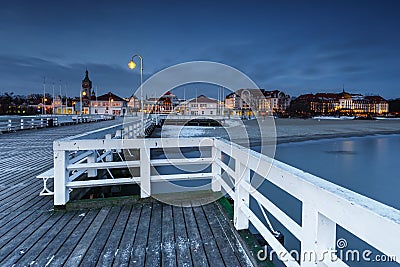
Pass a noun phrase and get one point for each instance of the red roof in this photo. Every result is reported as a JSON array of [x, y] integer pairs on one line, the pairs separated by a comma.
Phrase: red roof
[[203, 99], [109, 96]]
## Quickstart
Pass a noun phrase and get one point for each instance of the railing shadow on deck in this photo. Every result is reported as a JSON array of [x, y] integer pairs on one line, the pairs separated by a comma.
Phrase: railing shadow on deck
[[324, 204]]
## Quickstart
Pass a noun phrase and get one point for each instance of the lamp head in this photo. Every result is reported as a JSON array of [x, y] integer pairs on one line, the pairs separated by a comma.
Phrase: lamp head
[[131, 64]]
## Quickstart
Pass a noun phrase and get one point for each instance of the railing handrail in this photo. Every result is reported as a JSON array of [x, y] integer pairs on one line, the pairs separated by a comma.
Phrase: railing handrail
[[324, 204], [321, 200], [74, 137], [309, 179]]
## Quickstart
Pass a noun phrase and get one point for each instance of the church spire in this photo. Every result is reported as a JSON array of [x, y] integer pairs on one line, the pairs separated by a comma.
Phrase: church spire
[[87, 85]]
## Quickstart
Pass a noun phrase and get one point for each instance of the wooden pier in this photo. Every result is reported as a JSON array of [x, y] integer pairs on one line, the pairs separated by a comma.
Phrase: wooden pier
[[145, 232], [142, 233]]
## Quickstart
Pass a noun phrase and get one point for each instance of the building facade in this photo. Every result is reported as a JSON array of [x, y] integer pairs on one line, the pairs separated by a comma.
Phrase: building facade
[[250, 102], [133, 104], [201, 106], [339, 104], [109, 104], [165, 104]]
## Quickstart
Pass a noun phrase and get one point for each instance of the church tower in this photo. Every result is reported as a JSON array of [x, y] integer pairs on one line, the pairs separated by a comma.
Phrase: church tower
[[86, 93], [86, 86]]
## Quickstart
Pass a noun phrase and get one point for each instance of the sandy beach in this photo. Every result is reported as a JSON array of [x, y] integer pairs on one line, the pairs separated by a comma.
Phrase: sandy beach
[[287, 130], [295, 130]]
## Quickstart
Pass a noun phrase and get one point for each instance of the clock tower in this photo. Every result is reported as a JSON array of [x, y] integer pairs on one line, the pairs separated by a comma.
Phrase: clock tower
[[86, 86], [86, 93]]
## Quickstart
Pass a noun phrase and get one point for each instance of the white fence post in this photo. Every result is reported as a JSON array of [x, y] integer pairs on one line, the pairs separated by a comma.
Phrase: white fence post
[[319, 237], [9, 125], [242, 197], [309, 228], [92, 159], [326, 238], [109, 156], [125, 132], [216, 169], [145, 183], [135, 129], [61, 192], [22, 124], [118, 134], [130, 131]]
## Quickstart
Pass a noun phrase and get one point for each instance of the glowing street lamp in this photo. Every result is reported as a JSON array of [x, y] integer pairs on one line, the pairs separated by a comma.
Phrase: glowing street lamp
[[82, 93], [110, 101], [132, 65]]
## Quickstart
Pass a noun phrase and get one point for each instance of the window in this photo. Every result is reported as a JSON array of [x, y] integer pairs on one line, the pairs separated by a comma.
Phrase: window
[[203, 105], [211, 112], [202, 112]]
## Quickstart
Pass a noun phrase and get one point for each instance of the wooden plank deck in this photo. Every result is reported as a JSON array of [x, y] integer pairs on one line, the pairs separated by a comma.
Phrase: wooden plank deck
[[146, 233]]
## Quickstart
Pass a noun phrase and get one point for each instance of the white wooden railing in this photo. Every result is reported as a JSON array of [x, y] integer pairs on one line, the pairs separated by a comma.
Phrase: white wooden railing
[[23, 123], [16, 123], [324, 204]]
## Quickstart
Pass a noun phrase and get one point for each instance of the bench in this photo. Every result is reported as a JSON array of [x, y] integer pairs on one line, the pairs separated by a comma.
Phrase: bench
[[49, 174]]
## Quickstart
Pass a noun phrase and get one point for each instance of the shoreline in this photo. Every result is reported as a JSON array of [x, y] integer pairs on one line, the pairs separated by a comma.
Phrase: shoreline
[[294, 130], [300, 139], [298, 130]]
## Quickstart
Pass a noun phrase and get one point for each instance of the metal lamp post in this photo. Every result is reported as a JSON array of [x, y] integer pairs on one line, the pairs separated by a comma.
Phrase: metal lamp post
[[132, 65], [82, 93]]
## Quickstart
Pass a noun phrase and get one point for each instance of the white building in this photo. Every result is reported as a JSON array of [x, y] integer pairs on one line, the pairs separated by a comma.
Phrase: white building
[[61, 108], [201, 105], [257, 102], [134, 104], [108, 104]]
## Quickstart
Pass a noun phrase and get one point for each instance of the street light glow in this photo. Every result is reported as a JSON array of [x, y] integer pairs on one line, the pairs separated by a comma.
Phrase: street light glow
[[131, 64]]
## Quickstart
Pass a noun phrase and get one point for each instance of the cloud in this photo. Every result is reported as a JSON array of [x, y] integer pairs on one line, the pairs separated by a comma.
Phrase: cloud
[[351, 69], [311, 71], [24, 75], [352, 44]]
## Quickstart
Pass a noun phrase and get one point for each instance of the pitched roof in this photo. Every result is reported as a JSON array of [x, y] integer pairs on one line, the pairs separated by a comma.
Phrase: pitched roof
[[203, 99], [253, 92], [109, 96], [375, 98]]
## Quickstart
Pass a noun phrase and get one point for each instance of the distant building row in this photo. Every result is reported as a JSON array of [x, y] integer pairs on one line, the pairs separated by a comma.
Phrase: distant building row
[[242, 102]]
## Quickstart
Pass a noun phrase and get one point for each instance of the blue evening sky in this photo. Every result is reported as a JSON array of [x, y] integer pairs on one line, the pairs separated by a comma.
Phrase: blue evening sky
[[295, 46]]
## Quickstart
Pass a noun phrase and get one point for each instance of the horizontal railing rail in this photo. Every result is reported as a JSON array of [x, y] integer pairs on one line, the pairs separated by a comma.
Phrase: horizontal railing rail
[[95, 149], [16, 123]]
